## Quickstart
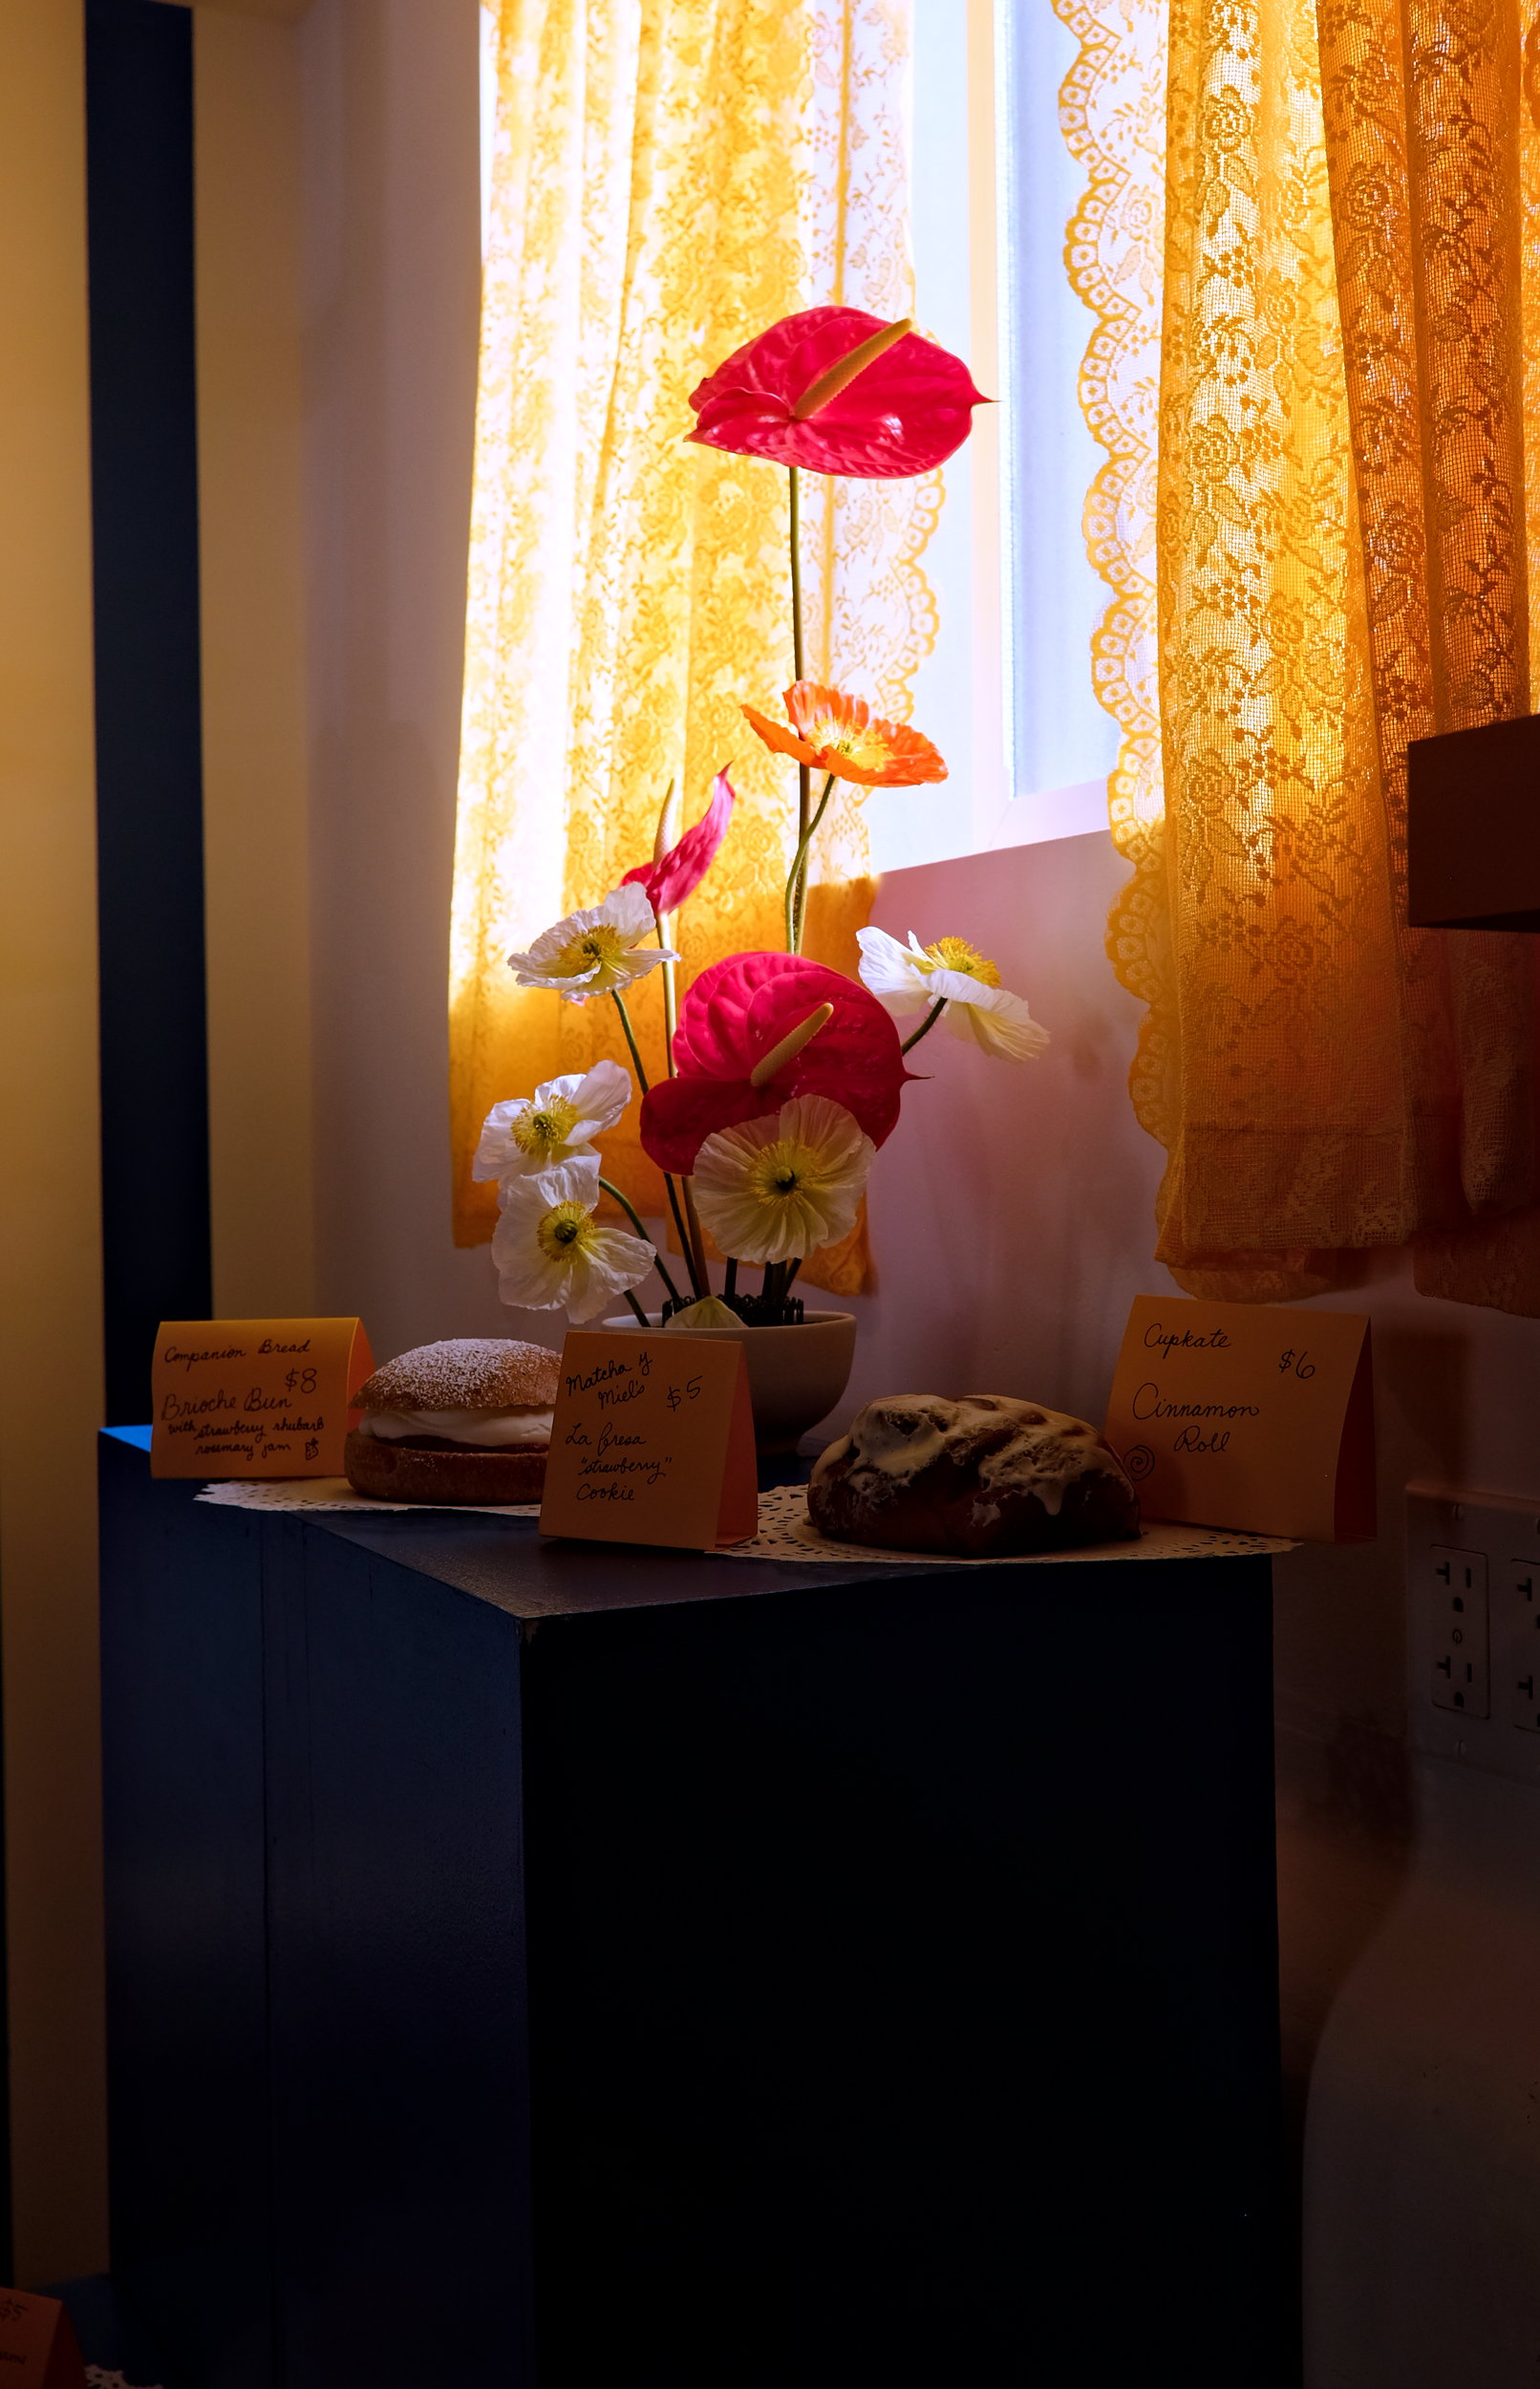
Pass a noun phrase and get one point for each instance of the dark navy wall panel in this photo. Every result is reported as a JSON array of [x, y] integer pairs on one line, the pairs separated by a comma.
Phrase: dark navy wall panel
[[184, 1786], [149, 777]]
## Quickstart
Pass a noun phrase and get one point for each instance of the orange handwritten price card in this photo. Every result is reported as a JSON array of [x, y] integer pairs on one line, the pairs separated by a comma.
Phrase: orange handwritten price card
[[255, 1397], [38, 2349], [652, 1442], [1248, 1416]]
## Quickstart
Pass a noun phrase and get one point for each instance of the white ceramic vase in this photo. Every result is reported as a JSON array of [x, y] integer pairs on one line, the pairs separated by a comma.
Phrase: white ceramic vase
[[796, 1374]]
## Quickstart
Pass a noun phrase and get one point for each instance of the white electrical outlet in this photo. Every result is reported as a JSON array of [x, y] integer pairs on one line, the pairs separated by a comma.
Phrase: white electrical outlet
[[1473, 1628], [1461, 1675]]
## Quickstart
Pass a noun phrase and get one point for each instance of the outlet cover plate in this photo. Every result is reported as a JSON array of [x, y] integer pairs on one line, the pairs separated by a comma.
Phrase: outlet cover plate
[[1484, 1550]]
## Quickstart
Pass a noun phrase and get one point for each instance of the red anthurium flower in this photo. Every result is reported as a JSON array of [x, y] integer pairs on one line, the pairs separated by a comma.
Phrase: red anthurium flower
[[734, 1017], [680, 872], [839, 391]]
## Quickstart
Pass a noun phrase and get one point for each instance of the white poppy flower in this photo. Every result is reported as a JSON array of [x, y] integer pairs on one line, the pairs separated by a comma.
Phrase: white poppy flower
[[777, 1189], [912, 978], [551, 1254], [596, 953], [558, 1123]]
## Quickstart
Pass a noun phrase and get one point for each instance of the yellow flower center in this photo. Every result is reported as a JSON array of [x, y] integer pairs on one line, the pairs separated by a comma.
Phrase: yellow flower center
[[564, 1231], [956, 953], [598, 949], [782, 1169], [540, 1133], [831, 737]]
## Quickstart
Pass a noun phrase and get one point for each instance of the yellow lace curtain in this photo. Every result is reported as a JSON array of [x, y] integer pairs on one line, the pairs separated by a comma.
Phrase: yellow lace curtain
[[1310, 242], [669, 177]]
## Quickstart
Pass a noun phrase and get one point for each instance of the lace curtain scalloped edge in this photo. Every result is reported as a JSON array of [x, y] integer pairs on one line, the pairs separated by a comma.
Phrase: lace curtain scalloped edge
[[1112, 115]]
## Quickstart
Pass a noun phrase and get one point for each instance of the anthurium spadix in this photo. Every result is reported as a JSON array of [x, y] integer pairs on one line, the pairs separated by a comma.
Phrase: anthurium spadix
[[745, 1013]]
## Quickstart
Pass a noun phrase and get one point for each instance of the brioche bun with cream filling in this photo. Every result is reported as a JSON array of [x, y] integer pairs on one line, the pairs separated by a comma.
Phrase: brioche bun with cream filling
[[468, 1421]]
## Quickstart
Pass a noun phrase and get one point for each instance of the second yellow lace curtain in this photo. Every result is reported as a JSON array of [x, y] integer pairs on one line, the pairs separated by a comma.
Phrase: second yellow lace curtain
[[669, 178], [1310, 239]]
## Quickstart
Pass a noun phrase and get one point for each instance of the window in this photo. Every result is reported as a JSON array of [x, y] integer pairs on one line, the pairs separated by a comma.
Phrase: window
[[1006, 694]]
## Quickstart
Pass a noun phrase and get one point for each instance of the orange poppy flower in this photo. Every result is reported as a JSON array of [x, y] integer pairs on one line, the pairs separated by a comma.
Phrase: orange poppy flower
[[836, 733]]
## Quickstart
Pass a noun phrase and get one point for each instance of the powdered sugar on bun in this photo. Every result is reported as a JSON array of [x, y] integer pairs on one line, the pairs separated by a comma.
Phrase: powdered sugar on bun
[[466, 1373]]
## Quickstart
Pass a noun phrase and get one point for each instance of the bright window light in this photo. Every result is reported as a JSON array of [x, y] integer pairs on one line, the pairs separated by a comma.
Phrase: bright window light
[[1007, 693], [1057, 733]]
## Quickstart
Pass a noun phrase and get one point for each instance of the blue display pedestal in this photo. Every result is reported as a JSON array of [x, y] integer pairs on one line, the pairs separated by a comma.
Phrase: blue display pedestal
[[553, 1962]]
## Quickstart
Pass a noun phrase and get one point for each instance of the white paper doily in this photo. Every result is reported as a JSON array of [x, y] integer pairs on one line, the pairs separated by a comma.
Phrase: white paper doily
[[334, 1493], [785, 1532]]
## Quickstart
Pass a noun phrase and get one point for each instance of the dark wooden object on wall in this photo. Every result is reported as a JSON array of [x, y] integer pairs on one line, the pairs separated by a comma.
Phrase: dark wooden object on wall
[[1473, 828], [640, 1971], [154, 1218]]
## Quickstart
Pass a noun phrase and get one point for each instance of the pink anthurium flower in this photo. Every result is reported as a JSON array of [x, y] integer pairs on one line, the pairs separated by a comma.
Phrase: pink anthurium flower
[[838, 391], [680, 872], [732, 1021]]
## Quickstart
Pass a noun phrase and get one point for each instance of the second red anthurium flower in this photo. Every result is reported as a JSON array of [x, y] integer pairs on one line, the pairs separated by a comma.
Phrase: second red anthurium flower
[[734, 1017]]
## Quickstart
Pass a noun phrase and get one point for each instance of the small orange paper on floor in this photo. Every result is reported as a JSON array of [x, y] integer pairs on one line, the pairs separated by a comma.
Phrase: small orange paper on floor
[[652, 1442], [38, 2349], [1248, 1416], [255, 1397]]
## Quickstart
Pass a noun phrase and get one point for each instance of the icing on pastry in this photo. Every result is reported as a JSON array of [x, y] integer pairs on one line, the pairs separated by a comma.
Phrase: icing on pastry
[[984, 1472], [481, 1430], [1040, 1452]]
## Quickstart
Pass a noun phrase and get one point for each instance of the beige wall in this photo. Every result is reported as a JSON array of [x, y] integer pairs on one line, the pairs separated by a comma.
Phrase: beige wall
[[50, 1228], [392, 294], [256, 817]]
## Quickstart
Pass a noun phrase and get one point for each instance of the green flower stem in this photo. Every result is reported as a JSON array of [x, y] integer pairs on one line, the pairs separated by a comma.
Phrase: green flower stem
[[730, 1281], [805, 776], [796, 573], [657, 1258], [696, 1245], [630, 1038], [638, 1308], [796, 877], [777, 1279], [792, 1268], [670, 998], [685, 1248], [925, 1025], [697, 1284]]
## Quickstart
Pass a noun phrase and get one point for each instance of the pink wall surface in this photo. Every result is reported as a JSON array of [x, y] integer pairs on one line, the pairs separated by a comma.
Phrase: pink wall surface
[[1004, 1205]]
